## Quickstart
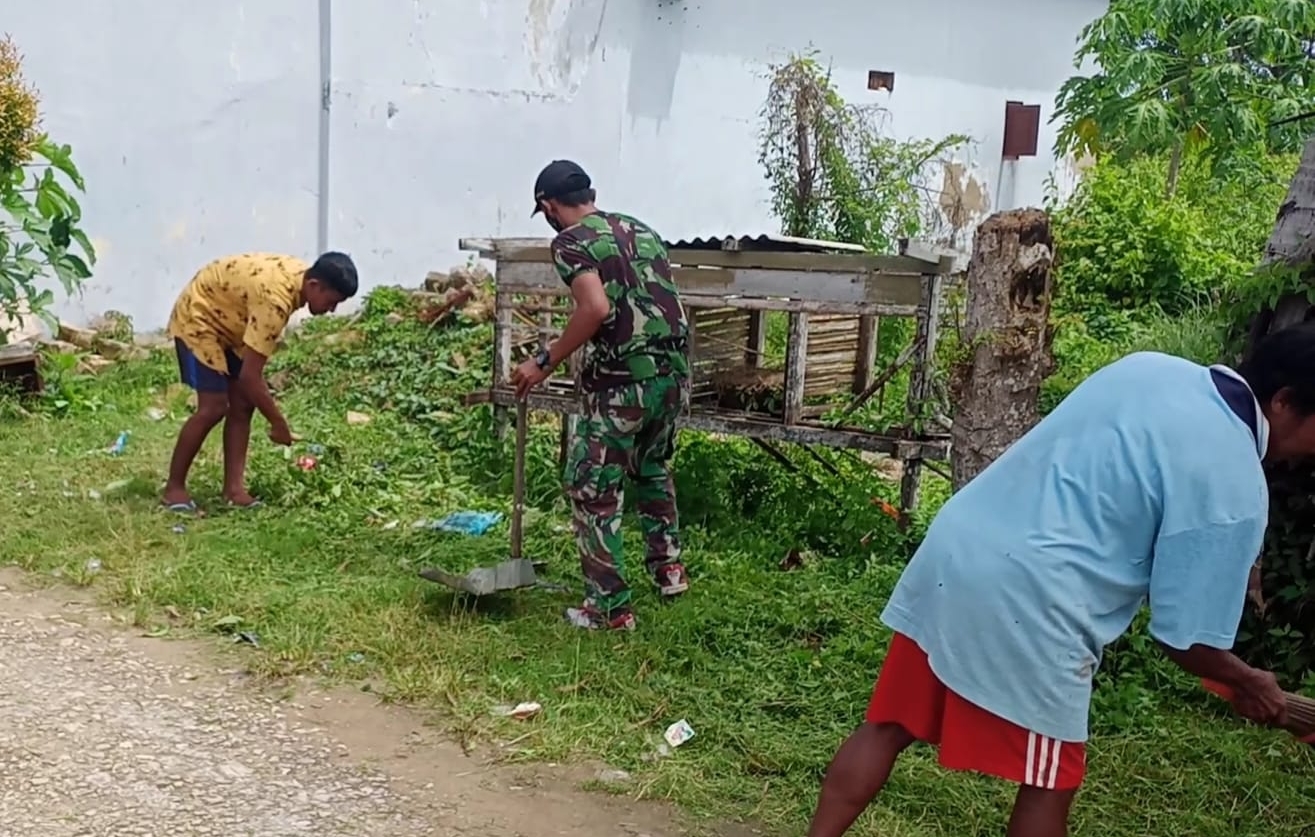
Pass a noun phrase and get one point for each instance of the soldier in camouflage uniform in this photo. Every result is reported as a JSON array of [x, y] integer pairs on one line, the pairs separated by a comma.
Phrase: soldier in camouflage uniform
[[636, 383]]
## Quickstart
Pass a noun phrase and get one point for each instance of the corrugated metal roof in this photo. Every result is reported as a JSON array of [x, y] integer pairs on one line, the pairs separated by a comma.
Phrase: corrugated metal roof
[[764, 244]]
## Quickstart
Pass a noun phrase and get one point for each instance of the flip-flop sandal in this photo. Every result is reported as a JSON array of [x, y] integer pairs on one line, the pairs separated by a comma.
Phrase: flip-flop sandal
[[254, 504], [182, 508]]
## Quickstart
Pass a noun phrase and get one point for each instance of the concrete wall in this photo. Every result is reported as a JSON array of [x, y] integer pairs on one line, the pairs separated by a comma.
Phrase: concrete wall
[[201, 132]]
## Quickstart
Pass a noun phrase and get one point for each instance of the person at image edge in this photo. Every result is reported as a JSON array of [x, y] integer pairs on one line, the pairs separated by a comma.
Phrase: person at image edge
[[1146, 482]]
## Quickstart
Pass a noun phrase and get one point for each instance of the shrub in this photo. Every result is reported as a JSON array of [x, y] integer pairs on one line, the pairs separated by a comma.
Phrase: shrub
[[1123, 245], [39, 232]]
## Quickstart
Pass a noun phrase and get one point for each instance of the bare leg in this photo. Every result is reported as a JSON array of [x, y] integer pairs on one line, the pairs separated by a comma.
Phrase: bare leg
[[1040, 813], [210, 410], [237, 440], [857, 773]]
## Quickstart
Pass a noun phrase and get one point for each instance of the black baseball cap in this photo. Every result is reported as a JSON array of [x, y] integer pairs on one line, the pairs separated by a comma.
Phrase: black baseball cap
[[560, 177]]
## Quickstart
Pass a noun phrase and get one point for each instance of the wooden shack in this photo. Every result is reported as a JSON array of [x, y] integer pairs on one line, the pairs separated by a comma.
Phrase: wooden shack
[[825, 300]]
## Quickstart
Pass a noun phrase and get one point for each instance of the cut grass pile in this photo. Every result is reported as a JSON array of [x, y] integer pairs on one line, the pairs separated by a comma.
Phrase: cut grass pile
[[771, 667]]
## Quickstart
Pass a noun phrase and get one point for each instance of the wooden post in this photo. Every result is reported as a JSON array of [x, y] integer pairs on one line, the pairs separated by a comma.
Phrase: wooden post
[[865, 356], [502, 328], [1006, 339], [757, 344], [920, 386], [796, 355], [518, 482]]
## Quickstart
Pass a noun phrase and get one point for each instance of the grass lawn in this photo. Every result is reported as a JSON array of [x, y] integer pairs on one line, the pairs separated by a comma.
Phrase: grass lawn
[[770, 667]]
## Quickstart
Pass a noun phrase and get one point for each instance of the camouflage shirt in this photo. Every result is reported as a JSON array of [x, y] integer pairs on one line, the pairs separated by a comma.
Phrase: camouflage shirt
[[646, 333]]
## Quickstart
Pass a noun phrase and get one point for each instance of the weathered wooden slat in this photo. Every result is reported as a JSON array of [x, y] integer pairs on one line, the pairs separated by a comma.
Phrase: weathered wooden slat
[[796, 355], [744, 424], [692, 301], [865, 353], [836, 341], [841, 363], [831, 320], [538, 250], [811, 286], [845, 329]]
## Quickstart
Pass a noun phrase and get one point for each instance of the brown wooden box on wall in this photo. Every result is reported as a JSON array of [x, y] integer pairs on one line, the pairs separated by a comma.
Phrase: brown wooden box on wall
[[1022, 127]]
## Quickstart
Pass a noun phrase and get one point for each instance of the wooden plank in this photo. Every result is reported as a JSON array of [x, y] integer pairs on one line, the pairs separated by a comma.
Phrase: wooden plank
[[907, 265], [755, 303], [808, 307], [816, 286], [866, 352], [490, 248], [796, 354], [855, 287], [538, 250], [746, 425]]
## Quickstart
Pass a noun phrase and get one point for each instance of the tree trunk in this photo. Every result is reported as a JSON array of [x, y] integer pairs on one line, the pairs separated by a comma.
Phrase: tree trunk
[[1175, 167], [1291, 245], [1006, 339]]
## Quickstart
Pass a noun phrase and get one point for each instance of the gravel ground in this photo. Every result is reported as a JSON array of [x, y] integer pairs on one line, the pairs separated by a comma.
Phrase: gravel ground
[[104, 733], [98, 740]]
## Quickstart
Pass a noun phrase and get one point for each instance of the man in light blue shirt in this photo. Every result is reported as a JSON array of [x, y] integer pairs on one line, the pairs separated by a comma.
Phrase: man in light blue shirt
[[1145, 483]]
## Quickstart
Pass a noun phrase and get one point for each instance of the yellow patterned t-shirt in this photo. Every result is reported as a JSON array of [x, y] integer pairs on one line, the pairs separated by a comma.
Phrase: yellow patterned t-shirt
[[236, 302]]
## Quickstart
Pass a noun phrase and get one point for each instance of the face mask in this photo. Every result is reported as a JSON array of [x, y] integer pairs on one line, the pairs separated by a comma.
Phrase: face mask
[[552, 221]]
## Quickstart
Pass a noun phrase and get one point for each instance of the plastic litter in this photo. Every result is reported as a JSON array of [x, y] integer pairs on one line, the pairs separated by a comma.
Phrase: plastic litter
[[521, 711], [468, 522], [678, 733], [120, 444]]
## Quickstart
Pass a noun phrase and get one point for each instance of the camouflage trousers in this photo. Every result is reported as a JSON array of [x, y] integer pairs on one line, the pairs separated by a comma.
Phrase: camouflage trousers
[[625, 432]]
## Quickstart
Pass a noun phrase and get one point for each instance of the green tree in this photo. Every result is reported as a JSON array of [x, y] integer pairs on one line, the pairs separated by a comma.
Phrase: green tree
[[1174, 76], [833, 171], [39, 232]]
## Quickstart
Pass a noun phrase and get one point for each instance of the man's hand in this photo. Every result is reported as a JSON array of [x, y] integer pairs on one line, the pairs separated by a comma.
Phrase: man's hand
[[527, 376], [1259, 698], [281, 434]]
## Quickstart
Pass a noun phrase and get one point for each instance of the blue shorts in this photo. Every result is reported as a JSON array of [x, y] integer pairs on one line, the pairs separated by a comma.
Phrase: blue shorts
[[200, 377]]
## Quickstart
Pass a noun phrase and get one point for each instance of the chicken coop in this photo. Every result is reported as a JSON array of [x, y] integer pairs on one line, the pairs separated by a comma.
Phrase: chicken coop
[[785, 334]]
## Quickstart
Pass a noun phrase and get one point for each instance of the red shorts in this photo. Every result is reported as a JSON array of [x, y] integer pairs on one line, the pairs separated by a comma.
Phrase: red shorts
[[908, 693]]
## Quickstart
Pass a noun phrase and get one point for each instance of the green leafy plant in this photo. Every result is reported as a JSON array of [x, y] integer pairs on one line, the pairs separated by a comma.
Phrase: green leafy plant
[[1184, 76], [40, 235], [834, 172], [1122, 245], [1137, 270]]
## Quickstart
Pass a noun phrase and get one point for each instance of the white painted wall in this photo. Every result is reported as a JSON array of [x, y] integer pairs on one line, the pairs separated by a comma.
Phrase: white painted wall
[[197, 124]]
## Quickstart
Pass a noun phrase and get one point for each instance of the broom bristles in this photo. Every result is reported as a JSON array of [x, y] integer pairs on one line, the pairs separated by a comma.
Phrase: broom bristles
[[1301, 714]]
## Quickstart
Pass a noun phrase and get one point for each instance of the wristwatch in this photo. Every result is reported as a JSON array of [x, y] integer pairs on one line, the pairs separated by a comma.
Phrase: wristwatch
[[543, 359]]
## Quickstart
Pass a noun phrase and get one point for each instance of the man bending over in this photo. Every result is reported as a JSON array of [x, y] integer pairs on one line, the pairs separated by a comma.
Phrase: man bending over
[[1145, 483], [226, 324]]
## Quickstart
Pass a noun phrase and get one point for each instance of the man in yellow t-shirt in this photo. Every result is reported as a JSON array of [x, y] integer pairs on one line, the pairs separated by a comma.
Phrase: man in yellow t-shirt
[[226, 324]]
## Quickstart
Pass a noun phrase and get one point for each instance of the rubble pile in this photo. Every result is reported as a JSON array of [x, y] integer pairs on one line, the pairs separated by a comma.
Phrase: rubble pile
[[107, 340], [466, 289]]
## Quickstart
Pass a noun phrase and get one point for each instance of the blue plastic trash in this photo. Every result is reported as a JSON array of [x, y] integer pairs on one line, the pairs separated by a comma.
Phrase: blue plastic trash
[[469, 522]]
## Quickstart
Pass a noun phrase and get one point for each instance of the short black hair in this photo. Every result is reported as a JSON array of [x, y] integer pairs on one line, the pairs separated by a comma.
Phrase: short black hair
[[580, 197], [1284, 360], [337, 271]]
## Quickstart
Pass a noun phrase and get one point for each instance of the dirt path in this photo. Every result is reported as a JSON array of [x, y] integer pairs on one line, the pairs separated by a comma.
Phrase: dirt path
[[106, 733]]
